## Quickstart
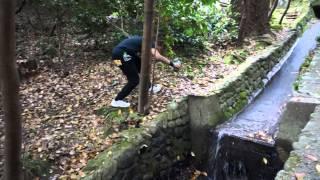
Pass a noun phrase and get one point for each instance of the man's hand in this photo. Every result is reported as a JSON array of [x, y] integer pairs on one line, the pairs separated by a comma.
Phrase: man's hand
[[176, 67], [176, 64]]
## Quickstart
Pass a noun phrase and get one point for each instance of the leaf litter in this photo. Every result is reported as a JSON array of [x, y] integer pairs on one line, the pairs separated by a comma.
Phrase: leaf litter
[[59, 111]]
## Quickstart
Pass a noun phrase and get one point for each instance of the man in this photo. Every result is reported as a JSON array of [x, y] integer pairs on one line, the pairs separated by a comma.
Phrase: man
[[126, 55]]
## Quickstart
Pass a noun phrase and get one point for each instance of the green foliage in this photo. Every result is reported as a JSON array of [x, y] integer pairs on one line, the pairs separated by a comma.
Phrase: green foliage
[[183, 23], [34, 167], [193, 22]]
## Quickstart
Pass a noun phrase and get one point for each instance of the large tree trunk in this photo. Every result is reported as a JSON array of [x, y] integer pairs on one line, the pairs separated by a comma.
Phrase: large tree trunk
[[10, 91], [254, 18]]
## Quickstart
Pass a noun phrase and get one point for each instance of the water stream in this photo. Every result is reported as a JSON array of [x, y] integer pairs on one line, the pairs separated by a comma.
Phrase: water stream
[[244, 147]]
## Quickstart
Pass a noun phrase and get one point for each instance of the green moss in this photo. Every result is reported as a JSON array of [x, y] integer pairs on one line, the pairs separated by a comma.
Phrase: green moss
[[243, 95], [228, 114], [303, 69], [162, 116], [276, 27], [292, 162], [107, 158], [229, 59], [132, 135], [35, 167], [240, 105], [117, 116]]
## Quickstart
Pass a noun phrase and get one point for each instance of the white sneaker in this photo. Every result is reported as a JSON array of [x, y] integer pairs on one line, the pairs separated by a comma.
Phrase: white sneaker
[[156, 88], [120, 103]]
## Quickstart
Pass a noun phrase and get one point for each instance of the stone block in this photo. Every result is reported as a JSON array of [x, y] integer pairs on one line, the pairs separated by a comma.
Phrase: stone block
[[109, 170], [307, 145], [205, 113], [172, 124], [126, 159], [293, 119]]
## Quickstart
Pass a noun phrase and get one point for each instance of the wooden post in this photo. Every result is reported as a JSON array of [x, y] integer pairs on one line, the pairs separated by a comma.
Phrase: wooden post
[[146, 57], [10, 91]]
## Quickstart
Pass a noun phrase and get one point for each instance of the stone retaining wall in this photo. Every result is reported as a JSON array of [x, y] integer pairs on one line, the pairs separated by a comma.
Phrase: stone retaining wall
[[240, 88], [147, 152], [151, 151]]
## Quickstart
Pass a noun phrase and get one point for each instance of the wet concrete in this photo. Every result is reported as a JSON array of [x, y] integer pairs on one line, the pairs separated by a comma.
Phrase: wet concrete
[[261, 116]]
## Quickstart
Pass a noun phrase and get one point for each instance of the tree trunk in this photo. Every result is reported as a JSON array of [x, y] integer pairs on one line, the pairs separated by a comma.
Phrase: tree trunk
[[273, 8], [285, 12], [254, 18], [10, 91], [146, 57]]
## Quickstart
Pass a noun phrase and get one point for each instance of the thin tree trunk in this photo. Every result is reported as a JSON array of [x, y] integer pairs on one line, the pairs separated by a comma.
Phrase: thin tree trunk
[[243, 20], [285, 12], [273, 8], [10, 91], [146, 56]]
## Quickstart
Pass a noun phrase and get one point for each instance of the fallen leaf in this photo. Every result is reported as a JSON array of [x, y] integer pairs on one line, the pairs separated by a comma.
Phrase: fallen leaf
[[299, 176], [318, 168], [265, 160], [311, 157]]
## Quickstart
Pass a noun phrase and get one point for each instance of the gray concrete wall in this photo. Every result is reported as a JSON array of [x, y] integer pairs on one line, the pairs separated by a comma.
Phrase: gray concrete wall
[[297, 135], [304, 158], [294, 118]]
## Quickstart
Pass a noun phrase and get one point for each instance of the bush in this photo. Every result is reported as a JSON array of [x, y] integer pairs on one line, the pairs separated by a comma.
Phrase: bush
[[183, 22]]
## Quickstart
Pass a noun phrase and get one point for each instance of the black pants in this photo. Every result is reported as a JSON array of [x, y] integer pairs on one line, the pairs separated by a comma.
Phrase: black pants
[[130, 66]]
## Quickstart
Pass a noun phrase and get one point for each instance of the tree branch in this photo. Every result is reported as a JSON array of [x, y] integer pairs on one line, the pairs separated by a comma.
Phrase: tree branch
[[24, 2]]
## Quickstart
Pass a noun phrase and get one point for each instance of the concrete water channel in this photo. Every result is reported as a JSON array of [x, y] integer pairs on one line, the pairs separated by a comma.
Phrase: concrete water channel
[[244, 147]]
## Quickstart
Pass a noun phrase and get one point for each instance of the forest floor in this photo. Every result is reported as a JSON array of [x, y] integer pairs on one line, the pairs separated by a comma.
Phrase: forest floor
[[61, 126]]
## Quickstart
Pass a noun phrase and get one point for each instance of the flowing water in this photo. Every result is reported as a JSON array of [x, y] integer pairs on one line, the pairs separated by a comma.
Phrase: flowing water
[[244, 147]]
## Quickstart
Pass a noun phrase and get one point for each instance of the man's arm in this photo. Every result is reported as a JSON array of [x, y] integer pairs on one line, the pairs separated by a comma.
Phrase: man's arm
[[156, 54]]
